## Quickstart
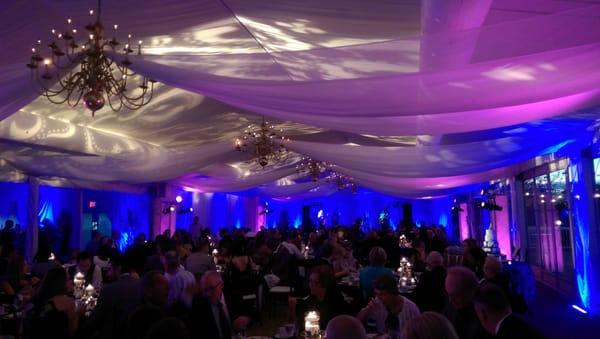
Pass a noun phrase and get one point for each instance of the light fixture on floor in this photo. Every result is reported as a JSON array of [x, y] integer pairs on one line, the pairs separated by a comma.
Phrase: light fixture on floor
[[91, 71], [579, 309]]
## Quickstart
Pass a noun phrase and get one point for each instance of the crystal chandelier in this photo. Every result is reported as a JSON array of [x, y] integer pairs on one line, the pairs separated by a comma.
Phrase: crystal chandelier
[[77, 72], [311, 167], [264, 143], [342, 182]]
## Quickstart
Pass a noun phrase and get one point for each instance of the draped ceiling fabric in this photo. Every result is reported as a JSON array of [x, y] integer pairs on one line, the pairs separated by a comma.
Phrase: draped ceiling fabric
[[410, 98]]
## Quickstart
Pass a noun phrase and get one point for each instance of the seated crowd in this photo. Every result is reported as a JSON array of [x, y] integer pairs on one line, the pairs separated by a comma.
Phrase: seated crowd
[[212, 286]]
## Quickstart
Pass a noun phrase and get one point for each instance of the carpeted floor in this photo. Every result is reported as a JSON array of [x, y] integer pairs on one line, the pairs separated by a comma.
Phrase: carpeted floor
[[552, 313]]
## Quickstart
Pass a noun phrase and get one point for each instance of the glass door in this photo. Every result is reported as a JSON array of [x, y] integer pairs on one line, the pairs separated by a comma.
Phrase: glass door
[[549, 240]]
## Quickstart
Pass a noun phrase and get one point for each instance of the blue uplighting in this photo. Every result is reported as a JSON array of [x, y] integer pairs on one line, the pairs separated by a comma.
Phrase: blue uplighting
[[125, 239], [584, 269], [46, 214]]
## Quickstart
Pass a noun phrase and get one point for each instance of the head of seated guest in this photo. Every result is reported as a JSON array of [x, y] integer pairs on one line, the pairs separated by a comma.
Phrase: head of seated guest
[[326, 254], [213, 315], [324, 297], [496, 316], [345, 326], [473, 257], [429, 325], [460, 285], [91, 272], [341, 266], [200, 261], [155, 292], [14, 279], [388, 309], [492, 272], [53, 311], [419, 255], [430, 293], [211, 285], [434, 259], [155, 288], [377, 260]]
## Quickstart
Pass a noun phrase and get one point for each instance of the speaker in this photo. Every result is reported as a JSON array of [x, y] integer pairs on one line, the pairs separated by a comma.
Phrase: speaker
[[158, 190], [407, 216], [307, 223]]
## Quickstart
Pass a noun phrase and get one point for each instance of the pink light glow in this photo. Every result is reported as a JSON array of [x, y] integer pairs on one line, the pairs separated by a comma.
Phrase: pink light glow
[[261, 218], [463, 223]]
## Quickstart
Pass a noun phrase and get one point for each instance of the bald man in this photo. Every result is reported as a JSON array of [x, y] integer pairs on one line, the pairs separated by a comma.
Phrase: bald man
[[214, 316], [430, 292], [460, 285], [344, 327]]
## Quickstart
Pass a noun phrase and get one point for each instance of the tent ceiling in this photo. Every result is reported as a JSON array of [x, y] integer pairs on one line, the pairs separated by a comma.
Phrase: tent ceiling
[[400, 100]]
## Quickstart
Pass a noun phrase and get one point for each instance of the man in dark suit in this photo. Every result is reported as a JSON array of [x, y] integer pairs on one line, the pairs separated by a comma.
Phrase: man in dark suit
[[461, 284], [115, 299], [430, 292], [213, 315], [494, 313]]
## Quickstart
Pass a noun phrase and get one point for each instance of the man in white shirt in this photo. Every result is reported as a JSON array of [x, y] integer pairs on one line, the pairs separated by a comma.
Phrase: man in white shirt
[[180, 281], [293, 249], [388, 309], [91, 272]]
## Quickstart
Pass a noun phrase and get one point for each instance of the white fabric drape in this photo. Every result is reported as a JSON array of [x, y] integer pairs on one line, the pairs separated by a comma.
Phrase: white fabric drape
[[396, 68]]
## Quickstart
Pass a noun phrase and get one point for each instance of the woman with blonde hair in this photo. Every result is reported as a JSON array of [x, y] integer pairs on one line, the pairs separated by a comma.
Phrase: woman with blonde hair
[[429, 325]]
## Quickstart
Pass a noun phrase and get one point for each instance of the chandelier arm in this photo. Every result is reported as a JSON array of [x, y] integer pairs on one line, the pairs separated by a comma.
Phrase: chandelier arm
[[136, 98], [66, 83], [110, 103], [131, 104], [45, 89], [142, 96], [58, 102], [37, 87], [110, 85], [80, 91]]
